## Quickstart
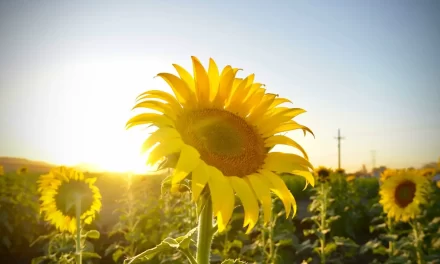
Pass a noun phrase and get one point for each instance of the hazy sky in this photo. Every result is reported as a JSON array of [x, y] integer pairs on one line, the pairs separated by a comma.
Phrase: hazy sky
[[70, 71]]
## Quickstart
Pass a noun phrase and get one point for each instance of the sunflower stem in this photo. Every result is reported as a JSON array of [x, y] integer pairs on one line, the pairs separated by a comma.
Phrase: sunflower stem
[[204, 238], [391, 231], [78, 230], [323, 218], [417, 244]]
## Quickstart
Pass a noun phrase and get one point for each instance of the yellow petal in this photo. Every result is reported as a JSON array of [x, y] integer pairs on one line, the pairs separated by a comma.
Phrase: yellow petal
[[160, 136], [164, 149], [161, 95], [259, 110], [263, 194], [277, 186], [189, 159], [279, 101], [202, 82], [287, 126], [248, 199], [307, 175], [200, 177], [283, 140], [225, 85], [214, 79], [186, 77], [222, 195], [180, 87], [285, 162], [157, 106]]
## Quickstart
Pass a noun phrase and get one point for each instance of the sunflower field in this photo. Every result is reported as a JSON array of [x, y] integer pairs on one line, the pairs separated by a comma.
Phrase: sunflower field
[[222, 193]]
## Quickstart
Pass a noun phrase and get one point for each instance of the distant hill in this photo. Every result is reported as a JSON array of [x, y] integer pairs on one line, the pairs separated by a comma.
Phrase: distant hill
[[13, 164]]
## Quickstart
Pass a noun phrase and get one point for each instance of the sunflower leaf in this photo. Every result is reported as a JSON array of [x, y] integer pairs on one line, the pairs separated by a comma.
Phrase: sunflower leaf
[[94, 234], [166, 245]]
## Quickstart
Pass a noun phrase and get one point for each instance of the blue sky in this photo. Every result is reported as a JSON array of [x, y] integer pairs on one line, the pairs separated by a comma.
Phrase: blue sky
[[70, 70]]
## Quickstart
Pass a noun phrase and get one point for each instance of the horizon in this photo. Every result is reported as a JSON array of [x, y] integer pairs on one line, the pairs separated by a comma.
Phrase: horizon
[[71, 73]]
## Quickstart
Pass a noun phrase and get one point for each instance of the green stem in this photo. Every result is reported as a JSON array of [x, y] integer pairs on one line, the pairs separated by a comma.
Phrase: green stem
[[323, 216], [418, 246], [78, 230], [391, 243], [204, 238], [190, 257]]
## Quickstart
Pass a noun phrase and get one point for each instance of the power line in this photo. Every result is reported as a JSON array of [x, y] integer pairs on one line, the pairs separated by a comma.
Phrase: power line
[[339, 147]]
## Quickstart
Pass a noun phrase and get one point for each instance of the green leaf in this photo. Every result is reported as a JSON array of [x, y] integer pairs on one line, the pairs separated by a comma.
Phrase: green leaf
[[93, 234], [284, 242], [167, 244], [329, 248], [117, 254], [377, 227], [233, 261], [87, 255], [184, 241], [389, 237], [343, 241], [39, 260]]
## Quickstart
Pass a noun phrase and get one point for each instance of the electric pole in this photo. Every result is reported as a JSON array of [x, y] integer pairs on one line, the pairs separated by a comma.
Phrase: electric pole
[[339, 147]]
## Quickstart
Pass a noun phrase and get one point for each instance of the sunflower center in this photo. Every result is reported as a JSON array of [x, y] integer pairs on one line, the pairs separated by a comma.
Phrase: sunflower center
[[405, 193], [66, 197], [224, 140]]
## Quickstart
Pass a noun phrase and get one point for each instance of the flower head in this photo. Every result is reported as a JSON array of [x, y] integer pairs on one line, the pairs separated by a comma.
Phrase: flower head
[[223, 129], [59, 190], [2, 171], [402, 193], [323, 173]]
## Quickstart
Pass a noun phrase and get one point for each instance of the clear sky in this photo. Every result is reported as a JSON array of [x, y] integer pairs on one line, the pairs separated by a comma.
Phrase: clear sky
[[70, 71]]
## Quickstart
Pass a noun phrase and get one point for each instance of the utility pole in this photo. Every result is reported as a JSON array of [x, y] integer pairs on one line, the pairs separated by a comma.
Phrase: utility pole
[[373, 160], [339, 147]]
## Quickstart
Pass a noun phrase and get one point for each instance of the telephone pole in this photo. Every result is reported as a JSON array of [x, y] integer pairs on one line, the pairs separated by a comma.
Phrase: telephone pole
[[339, 147]]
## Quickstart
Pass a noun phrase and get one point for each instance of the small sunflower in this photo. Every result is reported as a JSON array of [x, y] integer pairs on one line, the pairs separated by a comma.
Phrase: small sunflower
[[2, 171], [22, 170], [223, 128], [351, 178], [323, 173], [438, 183], [402, 193], [340, 171], [58, 193], [428, 173]]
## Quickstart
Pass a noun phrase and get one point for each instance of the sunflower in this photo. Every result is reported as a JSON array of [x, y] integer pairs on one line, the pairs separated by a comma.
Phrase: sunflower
[[351, 178], [2, 171], [323, 173], [402, 193], [223, 129], [22, 170], [340, 171], [428, 172], [59, 190]]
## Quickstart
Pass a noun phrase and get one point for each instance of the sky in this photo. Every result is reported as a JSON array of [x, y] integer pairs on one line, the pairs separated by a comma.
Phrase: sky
[[71, 70]]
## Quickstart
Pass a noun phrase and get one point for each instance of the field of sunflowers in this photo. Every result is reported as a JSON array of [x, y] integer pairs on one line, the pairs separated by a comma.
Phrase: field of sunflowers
[[342, 219], [222, 193]]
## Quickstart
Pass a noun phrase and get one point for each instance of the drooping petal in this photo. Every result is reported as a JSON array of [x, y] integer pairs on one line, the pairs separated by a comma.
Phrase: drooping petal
[[223, 198], [285, 162], [259, 110], [287, 126], [189, 159], [248, 200], [161, 95], [263, 194], [164, 149], [200, 177], [161, 107], [278, 187], [160, 136]]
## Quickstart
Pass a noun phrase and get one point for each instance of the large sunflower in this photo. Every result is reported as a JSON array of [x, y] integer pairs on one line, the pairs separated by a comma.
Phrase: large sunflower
[[402, 193], [222, 128], [59, 190]]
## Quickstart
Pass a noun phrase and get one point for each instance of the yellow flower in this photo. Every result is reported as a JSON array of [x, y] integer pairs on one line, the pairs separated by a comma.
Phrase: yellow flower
[[223, 128], [402, 193], [438, 183], [58, 194], [2, 171], [323, 173], [428, 172], [22, 170], [340, 171], [387, 173], [351, 178]]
